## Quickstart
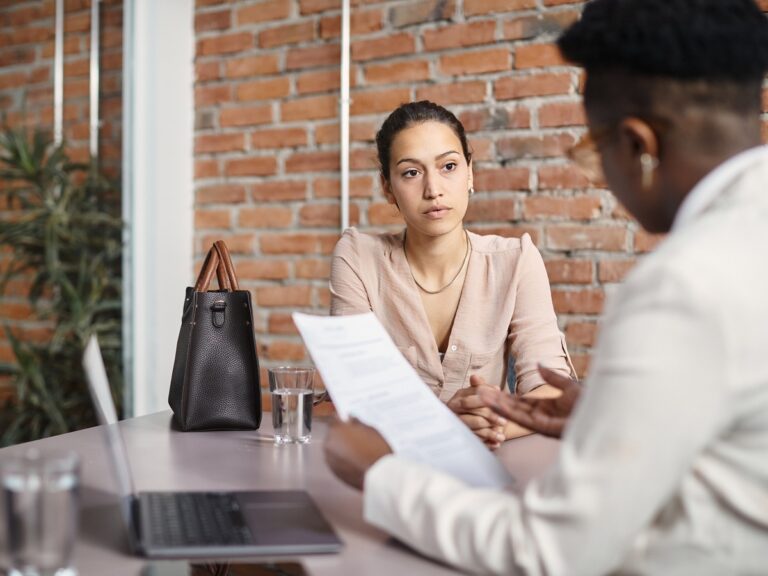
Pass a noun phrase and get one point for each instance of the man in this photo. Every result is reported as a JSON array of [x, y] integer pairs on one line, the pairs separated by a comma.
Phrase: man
[[663, 467]]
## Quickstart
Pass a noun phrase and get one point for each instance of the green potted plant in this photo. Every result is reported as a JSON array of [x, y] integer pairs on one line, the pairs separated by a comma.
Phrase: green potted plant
[[60, 233]]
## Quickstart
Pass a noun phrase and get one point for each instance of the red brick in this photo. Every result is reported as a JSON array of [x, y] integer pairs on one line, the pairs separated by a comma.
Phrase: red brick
[[581, 364], [263, 269], [77, 68], [265, 217], [360, 23], [245, 116], [481, 62], [252, 66], [281, 349], [480, 120], [312, 162], [251, 166], [279, 138], [501, 179], [421, 11], [454, 93], [15, 310], [281, 324], [312, 108], [581, 333], [539, 146], [383, 214], [225, 44], [313, 57], [556, 114], [284, 296], [570, 271], [363, 159], [219, 143], [473, 7], [492, 210], [391, 45], [264, 12], [287, 34], [289, 244], [212, 95], [212, 219], [512, 87], [206, 71], [582, 301], [313, 269], [205, 21], [237, 243], [561, 176], [269, 89], [538, 56], [359, 187], [460, 35], [326, 215], [206, 169], [279, 191], [549, 23], [221, 194], [569, 237], [614, 270], [397, 72], [577, 208], [314, 6], [560, 2], [645, 242], [376, 101], [323, 81]]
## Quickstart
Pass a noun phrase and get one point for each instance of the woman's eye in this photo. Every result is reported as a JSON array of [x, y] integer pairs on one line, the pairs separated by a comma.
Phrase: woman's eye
[[450, 166], [412, 173]]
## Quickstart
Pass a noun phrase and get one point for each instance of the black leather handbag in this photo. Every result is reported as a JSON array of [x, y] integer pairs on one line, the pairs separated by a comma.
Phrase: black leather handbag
[[215, 381]]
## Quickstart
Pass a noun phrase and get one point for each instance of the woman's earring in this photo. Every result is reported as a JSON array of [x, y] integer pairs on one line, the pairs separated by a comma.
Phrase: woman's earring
[[471, 190], [648, 165]]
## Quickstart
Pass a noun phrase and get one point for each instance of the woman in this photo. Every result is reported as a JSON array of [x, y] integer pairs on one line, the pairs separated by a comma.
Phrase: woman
[[456, 304]]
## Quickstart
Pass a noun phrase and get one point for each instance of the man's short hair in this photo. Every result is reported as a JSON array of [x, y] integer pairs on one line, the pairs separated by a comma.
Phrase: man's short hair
[[681, 39]]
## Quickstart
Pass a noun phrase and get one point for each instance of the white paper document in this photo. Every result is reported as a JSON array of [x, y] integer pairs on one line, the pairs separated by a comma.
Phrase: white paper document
[[369, 379]]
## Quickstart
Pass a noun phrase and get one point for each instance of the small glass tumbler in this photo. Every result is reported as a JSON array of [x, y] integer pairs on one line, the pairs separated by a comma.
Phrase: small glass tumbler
[[40, 507], [292, 400]]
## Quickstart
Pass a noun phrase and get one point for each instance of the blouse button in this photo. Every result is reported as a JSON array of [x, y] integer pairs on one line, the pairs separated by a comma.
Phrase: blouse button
[[454, 348]]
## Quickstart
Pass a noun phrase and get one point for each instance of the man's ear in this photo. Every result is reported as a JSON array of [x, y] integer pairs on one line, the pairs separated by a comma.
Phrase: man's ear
[[639, 137]]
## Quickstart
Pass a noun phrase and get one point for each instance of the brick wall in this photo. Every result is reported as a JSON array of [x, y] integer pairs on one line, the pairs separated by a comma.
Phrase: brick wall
[[267, 154], [27, 32]]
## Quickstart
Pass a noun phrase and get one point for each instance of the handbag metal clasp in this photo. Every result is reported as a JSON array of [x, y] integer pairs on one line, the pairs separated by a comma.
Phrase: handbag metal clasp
[[218, 317]]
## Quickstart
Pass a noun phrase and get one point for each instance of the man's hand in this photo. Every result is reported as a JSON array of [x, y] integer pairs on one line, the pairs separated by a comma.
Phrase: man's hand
[[546, 416], [474, 412], [351, 448]]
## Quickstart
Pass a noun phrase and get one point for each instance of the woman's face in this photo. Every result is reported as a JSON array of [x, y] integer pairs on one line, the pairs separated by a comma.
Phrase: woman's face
[[429, 178]]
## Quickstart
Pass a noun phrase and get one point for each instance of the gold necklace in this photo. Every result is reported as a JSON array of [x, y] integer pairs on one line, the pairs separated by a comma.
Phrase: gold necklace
[[463, 262]]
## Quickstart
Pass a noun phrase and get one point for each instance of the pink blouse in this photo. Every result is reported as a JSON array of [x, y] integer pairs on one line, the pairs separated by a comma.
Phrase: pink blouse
[[505, 309]]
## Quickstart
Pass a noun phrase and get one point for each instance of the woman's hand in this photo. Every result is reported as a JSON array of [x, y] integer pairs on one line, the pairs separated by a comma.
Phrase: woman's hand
[[475, 413], [547, 416]]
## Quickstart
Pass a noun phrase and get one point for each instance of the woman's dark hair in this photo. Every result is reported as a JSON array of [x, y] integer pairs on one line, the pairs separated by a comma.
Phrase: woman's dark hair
[[415, 113]]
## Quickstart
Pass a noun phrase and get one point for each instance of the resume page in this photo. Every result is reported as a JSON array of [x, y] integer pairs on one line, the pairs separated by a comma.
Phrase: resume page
[[369, 379]]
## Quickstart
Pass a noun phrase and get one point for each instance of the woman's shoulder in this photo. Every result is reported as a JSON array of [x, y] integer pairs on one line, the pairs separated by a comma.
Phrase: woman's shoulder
[[503, 245], [362, 243]]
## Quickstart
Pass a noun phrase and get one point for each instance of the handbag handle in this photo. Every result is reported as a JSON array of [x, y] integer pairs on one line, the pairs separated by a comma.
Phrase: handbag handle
[[225, 262], [210, 265]]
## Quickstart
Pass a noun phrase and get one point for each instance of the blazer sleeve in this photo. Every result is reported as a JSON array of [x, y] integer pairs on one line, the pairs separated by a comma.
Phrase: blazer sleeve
[[534, 336], [348, 292]]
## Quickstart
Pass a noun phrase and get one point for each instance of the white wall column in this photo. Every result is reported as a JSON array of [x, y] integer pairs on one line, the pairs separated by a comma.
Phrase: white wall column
[[158, 191]]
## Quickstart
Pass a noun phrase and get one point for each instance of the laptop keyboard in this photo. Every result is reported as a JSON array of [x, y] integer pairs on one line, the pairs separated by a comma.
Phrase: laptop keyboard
[[195, 519]]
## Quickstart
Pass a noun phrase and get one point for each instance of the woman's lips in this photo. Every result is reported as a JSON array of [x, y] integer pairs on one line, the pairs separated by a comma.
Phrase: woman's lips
[[437, 212]]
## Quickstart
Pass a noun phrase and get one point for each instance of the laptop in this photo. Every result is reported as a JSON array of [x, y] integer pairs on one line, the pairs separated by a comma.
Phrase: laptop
[[205, 524]]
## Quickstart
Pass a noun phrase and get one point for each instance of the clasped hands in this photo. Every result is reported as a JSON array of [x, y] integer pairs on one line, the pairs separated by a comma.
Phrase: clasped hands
[[351, 448]]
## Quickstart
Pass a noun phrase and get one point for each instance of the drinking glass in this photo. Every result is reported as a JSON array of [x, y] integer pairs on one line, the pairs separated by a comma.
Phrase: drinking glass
[[40, 505], [292, 399]]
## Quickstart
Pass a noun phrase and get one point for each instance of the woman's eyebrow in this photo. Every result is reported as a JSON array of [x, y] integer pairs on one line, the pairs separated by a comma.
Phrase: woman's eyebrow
[[418, 162]]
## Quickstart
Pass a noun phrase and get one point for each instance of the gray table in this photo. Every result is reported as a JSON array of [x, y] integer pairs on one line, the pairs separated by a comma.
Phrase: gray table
[[164, 459]]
